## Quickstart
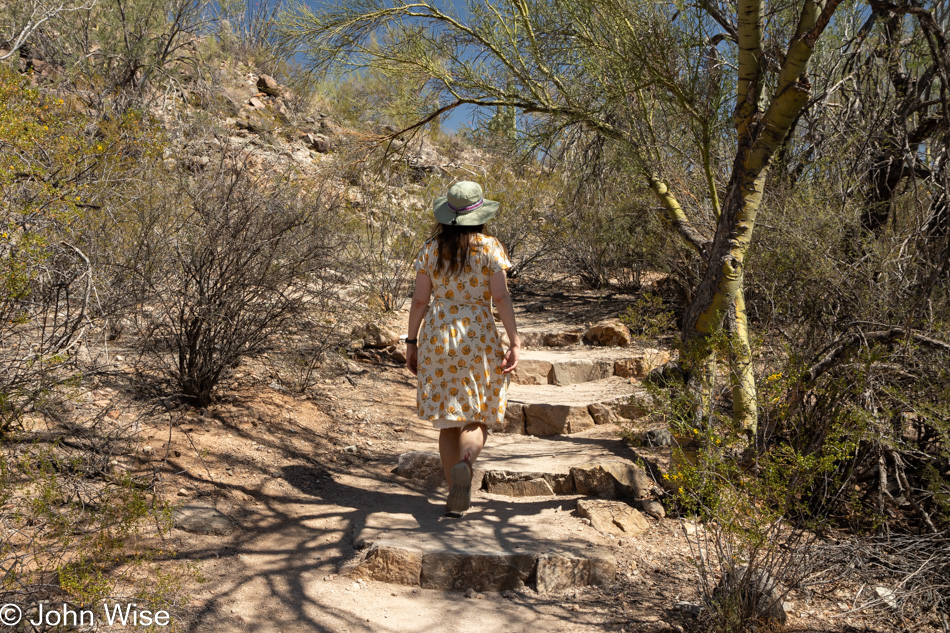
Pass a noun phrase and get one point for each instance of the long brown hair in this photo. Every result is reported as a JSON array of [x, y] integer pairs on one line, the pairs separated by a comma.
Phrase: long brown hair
[[454, 242]]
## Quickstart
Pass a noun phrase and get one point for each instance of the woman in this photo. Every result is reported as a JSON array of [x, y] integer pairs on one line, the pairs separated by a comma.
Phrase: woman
[[457, 355]]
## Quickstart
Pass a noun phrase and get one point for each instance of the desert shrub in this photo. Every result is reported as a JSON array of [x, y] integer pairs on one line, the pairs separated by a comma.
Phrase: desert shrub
[[74, 524], [648, 317], [247, 31], [225, 263], [122, 46], [529, 211], [58, 166]]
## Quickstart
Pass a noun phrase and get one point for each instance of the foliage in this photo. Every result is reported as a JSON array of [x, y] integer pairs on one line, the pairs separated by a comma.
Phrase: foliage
[[228, 261], [648, 317], [387, 230], [58, 165], [72, 526], [121, 45]]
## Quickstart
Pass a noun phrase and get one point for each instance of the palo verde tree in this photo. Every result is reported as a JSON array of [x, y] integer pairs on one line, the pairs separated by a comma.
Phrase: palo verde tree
[[657, 78]]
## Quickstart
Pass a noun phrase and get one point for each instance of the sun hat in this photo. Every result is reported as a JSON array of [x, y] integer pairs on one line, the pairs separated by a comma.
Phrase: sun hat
[[464, 205]]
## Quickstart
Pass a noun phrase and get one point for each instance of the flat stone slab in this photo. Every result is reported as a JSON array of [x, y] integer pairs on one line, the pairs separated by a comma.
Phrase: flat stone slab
[[548, 410], [571, 366], [612, 517], [536, 337], [553, 455], [494, 547], [595, 463]]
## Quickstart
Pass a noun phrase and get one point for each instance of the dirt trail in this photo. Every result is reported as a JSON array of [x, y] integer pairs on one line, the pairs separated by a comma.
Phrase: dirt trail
[[303, 482]]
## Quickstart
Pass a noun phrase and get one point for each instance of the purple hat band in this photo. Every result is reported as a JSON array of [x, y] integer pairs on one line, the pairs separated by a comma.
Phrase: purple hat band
[[463, 210]]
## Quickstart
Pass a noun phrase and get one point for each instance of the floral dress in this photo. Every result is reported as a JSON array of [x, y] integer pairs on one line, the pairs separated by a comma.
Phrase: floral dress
[[460, 352]]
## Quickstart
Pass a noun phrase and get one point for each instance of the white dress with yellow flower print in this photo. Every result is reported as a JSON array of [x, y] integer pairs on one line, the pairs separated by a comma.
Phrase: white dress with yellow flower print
[[460, 352]]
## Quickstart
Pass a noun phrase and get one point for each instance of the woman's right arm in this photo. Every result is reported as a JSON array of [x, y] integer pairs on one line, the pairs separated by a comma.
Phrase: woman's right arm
[[420, 303], [498, 285]]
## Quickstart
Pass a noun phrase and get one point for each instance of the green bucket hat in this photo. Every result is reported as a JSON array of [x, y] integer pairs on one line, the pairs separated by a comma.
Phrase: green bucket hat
[[464, 205]]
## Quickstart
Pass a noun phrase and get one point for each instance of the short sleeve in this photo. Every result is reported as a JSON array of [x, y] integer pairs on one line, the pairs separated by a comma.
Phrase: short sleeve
[[498, 257], [422, 260]]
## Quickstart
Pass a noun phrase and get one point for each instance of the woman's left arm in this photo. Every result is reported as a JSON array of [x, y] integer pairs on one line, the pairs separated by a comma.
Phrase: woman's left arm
[[420, 303]]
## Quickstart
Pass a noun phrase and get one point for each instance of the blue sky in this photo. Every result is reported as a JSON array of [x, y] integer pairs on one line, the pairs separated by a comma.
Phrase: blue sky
[[461, 116]]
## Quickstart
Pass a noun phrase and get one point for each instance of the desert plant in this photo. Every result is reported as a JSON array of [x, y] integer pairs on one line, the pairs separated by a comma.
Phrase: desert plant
[[225, 264], [73, 522], [58, 166]]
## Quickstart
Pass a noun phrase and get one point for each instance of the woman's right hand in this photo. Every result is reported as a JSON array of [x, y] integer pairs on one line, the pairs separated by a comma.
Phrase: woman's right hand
[[510, 361], [412, 359]]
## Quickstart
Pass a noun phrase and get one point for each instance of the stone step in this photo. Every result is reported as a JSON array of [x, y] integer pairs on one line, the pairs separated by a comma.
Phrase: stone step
[[494, 547], [553, 336], [567, 367], [596, 463], [547, 410]]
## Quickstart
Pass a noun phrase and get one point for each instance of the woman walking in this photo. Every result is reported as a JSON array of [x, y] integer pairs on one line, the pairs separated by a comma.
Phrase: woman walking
[[457, 355]]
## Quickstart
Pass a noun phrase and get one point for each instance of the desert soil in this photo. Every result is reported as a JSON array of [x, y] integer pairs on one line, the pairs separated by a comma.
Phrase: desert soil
[[298, 476]]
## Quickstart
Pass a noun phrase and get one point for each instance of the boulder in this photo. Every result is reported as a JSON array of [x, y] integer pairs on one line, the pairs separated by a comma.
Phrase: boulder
[[563, 570], [256, 121], [514, 420], [640, 366], [329, 128], [753, 588], [396, 353], [561, 339], [535, 306], [667, 375], [593, 481], [531, 372], [610, 333], [612, 517], [481, 572], [426, 159], [256, 103], [575, 371], [609, 480], [376, 336], [630, 480], [202, 519], [545, 420], [601, 413], [658, 437], [385, 563], [654, 509], [268, 85], [422, 466], [317, 142]]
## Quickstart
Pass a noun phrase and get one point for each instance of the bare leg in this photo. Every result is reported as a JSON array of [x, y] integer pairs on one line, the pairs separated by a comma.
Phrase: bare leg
[[468, 444], [449, 451], [457, 444], [471, 441]]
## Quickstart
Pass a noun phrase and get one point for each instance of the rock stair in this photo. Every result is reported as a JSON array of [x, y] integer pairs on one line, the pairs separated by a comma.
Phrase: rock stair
[[571, 366], [496, 547], [558, 452], [524, 491], [572, 389], [546, 410]]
